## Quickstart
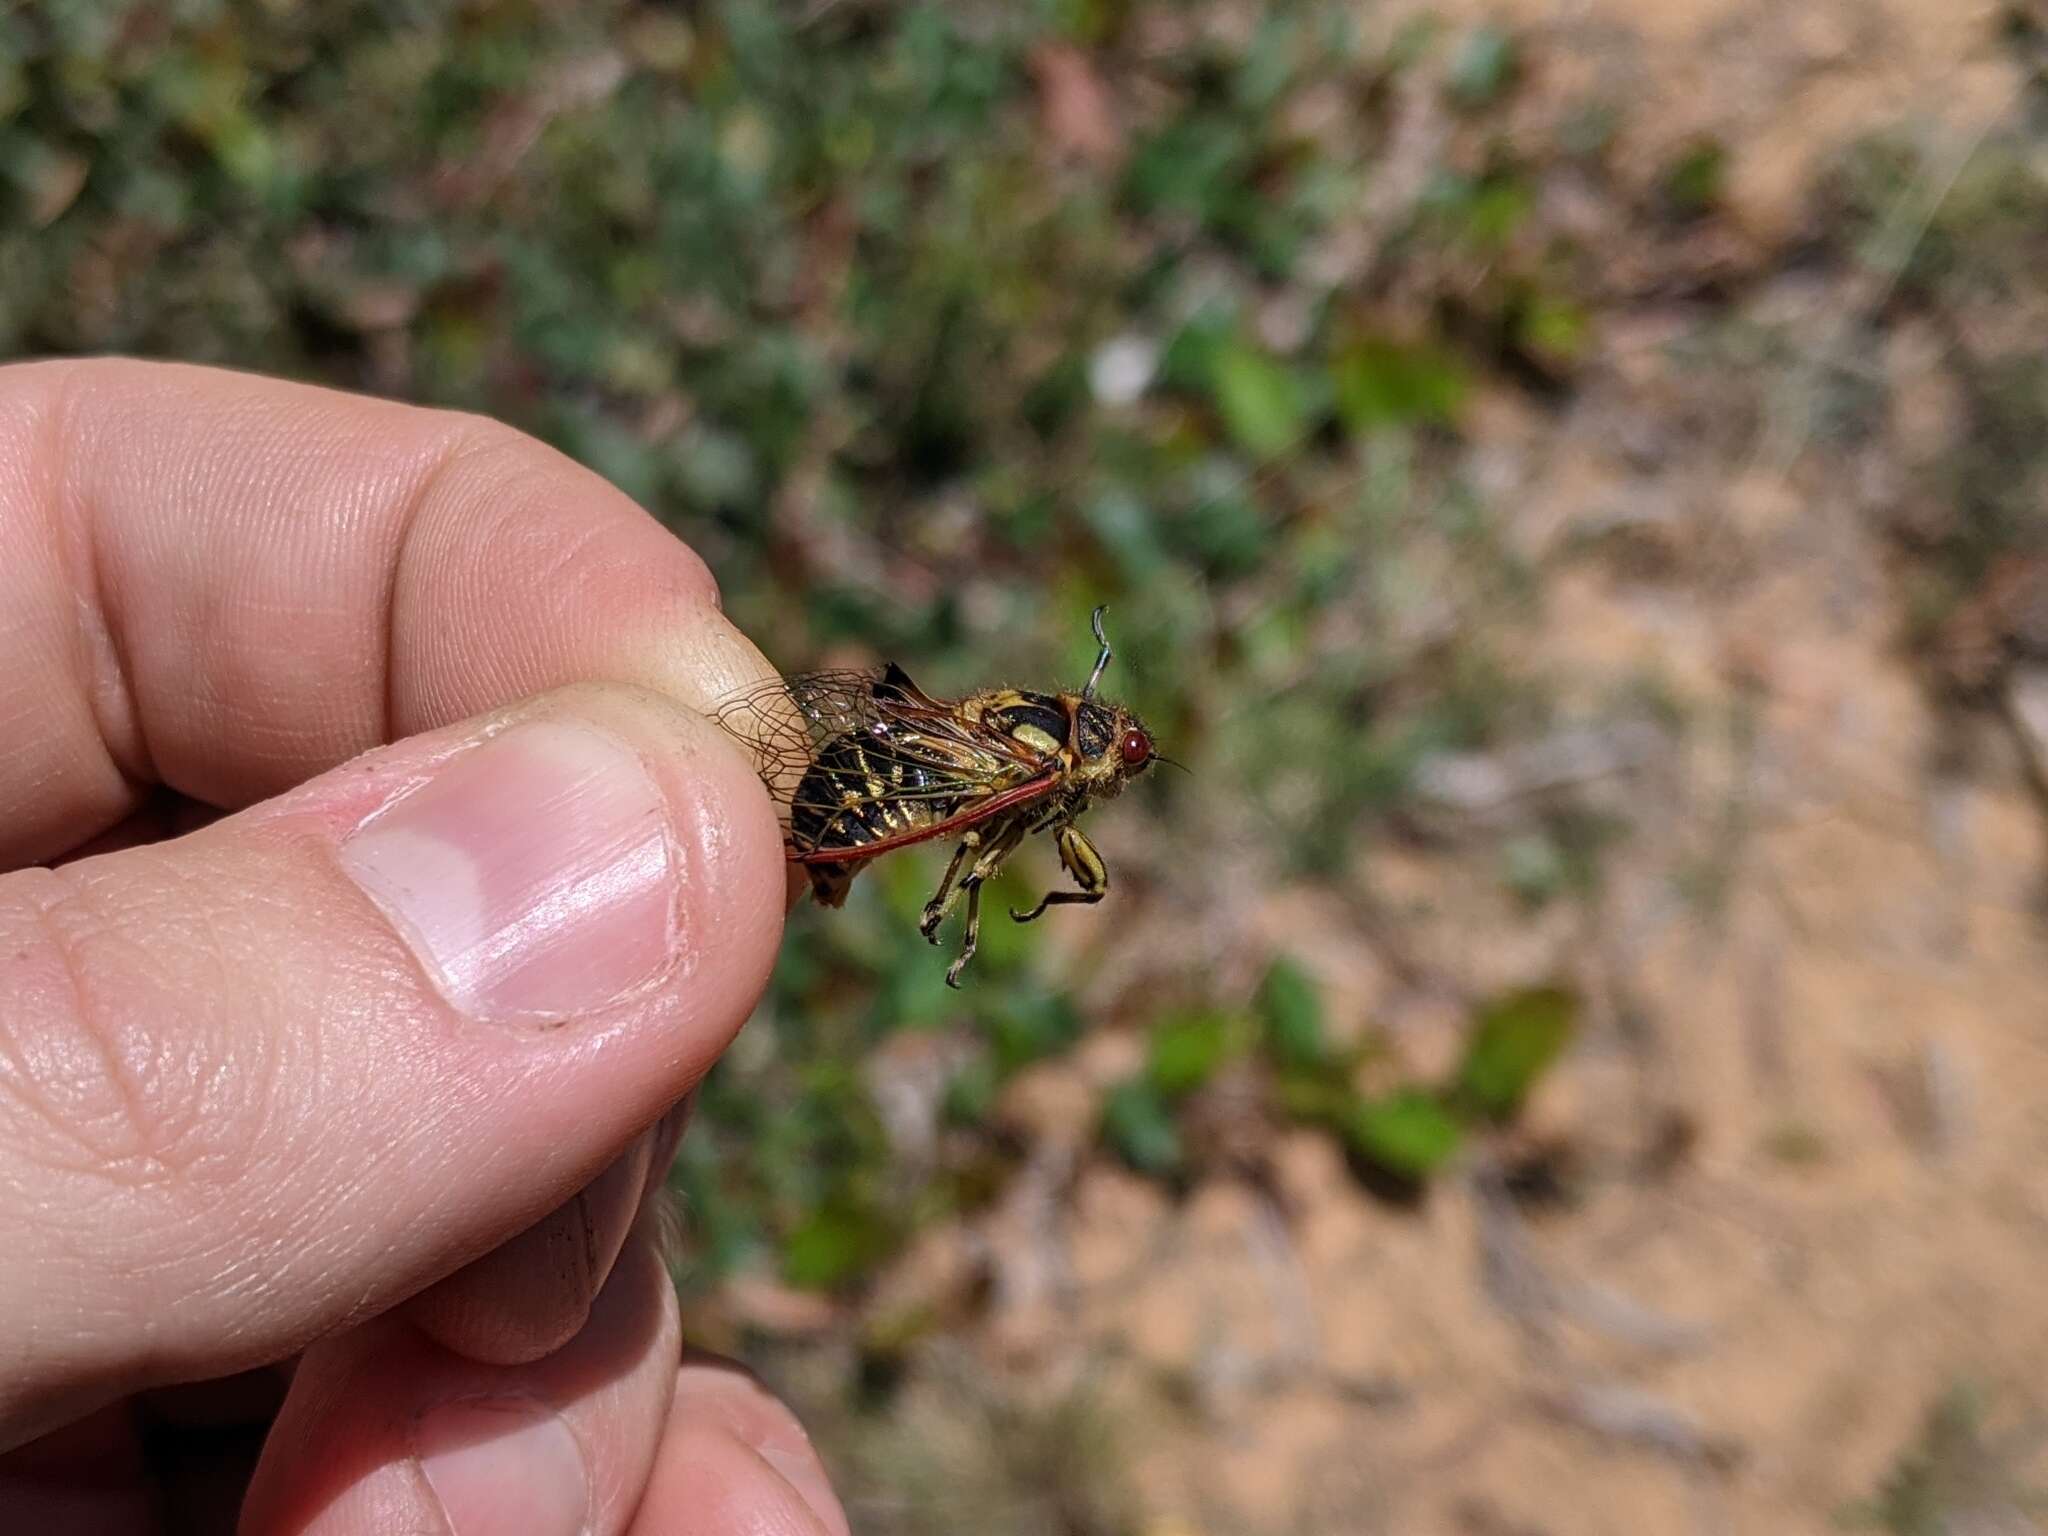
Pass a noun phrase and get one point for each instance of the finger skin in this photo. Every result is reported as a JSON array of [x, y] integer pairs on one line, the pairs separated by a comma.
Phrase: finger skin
[[236, 1114], [530, 1295], [735, 1462], [344, 1456], [227, 584]]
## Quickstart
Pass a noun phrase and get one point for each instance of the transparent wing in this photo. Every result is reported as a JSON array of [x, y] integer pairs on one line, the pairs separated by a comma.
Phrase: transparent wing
[[784, 721], [876, 741]]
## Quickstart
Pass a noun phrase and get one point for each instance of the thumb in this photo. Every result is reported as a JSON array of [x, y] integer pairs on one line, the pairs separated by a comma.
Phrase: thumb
[[271, 1078]]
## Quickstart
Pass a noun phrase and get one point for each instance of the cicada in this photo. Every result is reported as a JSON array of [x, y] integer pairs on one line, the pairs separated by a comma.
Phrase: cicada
[[863, 763]]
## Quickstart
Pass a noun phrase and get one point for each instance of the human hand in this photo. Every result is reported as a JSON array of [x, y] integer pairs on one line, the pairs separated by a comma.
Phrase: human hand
[[354, 1098]]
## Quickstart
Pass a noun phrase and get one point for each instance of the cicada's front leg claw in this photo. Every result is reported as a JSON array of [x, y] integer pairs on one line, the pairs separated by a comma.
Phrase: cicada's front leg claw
[[1079, 858], [966, 954]]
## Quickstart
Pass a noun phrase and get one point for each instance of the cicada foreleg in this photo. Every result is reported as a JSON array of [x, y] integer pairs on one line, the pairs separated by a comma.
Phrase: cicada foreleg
[[1079, 858]]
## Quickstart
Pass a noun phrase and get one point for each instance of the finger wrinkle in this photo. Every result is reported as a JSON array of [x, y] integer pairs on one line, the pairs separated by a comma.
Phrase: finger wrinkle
[[139, 1115], [57, 705], [106, 656], [469, 437], [65, 1074], [563, 562]]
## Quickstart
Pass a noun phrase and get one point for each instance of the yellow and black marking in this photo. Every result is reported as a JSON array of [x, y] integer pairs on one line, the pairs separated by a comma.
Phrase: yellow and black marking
[[861, 790], [1033, 719], [865, 763], [1079, 859]]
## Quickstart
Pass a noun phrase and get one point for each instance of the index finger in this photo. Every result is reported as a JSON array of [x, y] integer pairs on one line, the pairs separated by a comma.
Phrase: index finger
[[227, 584]]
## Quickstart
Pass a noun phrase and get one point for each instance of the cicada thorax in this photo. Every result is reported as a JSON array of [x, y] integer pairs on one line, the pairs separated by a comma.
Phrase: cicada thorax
[[1076, 732], [1036, 722]]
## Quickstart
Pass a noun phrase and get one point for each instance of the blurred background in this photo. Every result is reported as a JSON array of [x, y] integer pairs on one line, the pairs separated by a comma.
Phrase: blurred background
[[1568, 479]]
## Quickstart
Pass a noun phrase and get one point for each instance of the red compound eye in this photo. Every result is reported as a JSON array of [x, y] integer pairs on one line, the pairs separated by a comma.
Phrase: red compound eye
[[1136, 748]]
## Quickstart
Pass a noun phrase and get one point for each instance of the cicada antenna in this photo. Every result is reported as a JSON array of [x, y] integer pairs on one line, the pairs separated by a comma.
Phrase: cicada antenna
[[1102, 657]]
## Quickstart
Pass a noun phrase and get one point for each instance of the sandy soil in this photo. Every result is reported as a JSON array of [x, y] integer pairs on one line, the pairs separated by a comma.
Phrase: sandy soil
[[1786, 83], [1805, 1136]]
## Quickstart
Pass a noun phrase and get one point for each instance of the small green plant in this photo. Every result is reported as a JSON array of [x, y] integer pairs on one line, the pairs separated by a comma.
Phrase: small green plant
[[1407, 1134], [1514, 1041], [1484, 68], [1958, 1477], [1264, 404], [1410, 1133], [1290, 1011], [1138, 1125], [952, 1448], [1695, 180]]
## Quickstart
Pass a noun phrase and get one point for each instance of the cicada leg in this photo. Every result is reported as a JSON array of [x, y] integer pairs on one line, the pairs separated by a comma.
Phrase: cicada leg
[[831, 882], [1000, 846], [972, 938], [1079, 858], [943, 898]]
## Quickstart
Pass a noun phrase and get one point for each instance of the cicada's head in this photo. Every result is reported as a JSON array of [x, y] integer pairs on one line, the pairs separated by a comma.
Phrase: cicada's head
[[1111, 746]]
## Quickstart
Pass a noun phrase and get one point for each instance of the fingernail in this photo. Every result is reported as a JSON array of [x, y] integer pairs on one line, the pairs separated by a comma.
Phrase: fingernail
[[504, 1466], [531, 875]]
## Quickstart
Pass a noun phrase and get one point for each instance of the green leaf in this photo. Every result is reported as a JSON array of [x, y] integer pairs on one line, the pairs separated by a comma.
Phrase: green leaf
[[1410, 1133], [1227, 532], [1695, 180], [1291, 1009], [1264, 405], [971, 1094], [1138, 1124], [1485, 65], [1514, 1041], [1188, 361], [1124, 525], [1187, 1048], [1270, 64], [1534, 868], [834, 1244], [1495, 208], [1025, 1025], [1190, 166], [1382, 383], [1554, 329]]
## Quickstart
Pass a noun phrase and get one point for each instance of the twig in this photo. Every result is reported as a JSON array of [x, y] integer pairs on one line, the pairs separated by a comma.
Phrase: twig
[[1642, 1419], [1526, 1290]]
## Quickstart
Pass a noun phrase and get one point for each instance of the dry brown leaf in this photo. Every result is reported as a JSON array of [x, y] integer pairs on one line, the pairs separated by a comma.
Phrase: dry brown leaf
[[55, 186], [1075, 108]]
